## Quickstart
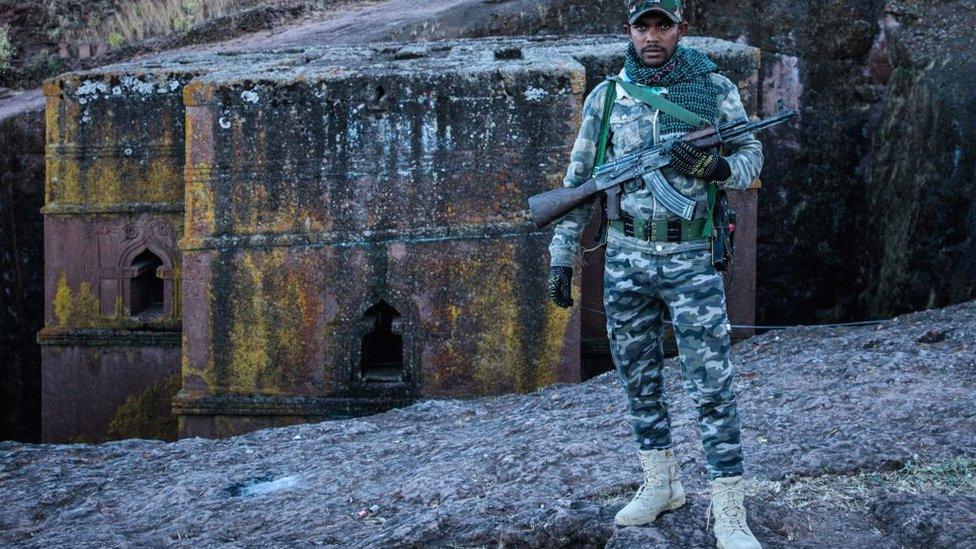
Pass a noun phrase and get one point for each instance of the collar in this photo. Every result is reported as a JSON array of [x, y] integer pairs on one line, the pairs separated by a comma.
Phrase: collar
[[621, 92]]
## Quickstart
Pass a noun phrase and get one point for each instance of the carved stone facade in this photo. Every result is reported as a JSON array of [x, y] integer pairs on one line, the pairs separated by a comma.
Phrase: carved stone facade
[[315, 233]]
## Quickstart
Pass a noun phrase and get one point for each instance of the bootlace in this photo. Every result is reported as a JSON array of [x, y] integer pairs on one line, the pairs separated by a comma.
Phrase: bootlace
[[655, 474], [731, 509]]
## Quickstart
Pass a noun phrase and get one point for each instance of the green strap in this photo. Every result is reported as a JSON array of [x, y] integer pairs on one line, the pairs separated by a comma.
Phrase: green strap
[[601, 148], [709, 221], [601, 151], [646, 95]]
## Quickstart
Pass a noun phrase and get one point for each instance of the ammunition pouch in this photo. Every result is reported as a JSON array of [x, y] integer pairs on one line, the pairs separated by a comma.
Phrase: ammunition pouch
[[664, 230]]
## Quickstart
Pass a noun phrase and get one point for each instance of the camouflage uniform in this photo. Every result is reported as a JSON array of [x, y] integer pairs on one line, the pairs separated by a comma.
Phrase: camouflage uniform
[[641, 277]]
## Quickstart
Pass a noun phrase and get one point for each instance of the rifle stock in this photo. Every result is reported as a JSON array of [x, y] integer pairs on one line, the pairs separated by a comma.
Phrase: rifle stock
[[551, 205]]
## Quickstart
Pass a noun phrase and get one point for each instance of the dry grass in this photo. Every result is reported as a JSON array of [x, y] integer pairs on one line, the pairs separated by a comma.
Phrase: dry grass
[[143, 19], [852, 492]]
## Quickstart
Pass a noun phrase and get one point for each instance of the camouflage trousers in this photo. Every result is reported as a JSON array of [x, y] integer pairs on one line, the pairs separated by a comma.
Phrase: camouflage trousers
[[637, 285]]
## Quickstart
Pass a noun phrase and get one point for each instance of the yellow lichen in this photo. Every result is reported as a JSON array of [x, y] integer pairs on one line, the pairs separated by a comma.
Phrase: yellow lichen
[[294, 314], [109, 180], [163, 181], [84, 309], [499, 362], [248, 331], [103, 183], [62, 300], [199, 205], [551, 342]]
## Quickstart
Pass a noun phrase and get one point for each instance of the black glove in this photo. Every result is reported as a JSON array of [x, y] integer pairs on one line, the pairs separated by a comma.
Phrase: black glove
[[560, 286], [689, 160]]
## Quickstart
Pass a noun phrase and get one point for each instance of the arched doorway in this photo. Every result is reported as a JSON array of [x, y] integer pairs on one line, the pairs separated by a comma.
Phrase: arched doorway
[[146, 296], [382, 348]]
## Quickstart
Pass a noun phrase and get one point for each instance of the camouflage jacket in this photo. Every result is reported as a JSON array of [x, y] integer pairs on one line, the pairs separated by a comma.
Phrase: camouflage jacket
[[634, 125]]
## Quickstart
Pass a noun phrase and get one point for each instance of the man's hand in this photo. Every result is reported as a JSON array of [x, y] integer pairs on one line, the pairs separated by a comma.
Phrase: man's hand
[[560, 286], [702, 164]]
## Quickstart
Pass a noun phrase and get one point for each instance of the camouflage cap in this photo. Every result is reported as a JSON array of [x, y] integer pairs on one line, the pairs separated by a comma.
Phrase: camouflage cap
[[670, 8]]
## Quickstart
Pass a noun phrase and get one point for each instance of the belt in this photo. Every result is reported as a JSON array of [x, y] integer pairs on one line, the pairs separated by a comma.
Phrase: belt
[[664, 230]]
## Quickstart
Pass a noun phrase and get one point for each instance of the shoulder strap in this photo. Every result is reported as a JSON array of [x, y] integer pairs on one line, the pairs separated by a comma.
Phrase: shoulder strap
[[645, 95], [601, 147], [712, 193], [601, 156]]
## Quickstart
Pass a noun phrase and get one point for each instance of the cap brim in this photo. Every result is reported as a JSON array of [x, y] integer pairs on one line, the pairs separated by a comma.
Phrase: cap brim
[[666, 13]]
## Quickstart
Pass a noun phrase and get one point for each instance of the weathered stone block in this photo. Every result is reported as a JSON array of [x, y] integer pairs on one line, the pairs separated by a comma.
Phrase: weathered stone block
[[93, 382], [396, 183]]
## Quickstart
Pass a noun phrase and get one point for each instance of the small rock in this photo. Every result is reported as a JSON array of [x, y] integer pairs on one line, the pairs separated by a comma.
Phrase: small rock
[[934, 336]]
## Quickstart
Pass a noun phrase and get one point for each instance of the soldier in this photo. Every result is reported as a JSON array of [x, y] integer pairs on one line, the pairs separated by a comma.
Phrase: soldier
[[645, 269]]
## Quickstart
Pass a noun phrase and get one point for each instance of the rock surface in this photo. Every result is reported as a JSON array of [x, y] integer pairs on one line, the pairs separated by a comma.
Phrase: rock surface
[[854, 437], [923, 161]]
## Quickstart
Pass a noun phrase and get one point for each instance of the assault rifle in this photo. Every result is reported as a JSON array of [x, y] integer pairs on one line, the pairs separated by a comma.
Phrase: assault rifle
[[610, 177]]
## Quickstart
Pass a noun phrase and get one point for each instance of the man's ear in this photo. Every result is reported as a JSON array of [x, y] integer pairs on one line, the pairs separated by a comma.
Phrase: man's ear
[[682, 29], [626, 28]]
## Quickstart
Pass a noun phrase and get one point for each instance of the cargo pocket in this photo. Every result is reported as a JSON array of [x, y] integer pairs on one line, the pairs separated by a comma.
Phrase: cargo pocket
[[626, 129]]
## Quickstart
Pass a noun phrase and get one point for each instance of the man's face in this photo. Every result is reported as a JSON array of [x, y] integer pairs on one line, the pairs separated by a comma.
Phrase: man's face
[[655, 37]]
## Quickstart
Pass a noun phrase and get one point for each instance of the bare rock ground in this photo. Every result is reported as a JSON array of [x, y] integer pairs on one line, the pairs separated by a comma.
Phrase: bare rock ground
[[853, 437]]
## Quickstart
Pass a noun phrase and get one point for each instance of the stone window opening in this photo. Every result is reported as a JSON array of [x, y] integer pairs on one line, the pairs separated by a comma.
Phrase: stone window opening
[[382, 345], [505, 54], [146, 296]]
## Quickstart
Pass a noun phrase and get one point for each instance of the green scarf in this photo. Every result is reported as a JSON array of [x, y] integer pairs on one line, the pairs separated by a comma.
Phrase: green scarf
[[685, 76]]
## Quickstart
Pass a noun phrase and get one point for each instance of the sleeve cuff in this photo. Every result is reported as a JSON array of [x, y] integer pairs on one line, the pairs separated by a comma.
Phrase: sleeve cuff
[[723, 182]]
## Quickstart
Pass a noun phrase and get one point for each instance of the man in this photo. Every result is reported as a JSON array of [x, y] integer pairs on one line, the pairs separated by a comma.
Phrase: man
[[647, 267]]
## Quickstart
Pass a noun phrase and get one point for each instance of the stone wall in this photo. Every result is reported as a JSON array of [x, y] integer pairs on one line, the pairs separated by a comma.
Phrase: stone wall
[[392, 177], [113, 217]]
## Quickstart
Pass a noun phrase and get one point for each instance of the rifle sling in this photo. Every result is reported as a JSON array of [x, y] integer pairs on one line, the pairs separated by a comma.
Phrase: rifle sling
[[646, 95]]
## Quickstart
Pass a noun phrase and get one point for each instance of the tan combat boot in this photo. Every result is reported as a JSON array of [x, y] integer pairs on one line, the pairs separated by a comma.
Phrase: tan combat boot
[[661, 491], [729, 511]]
